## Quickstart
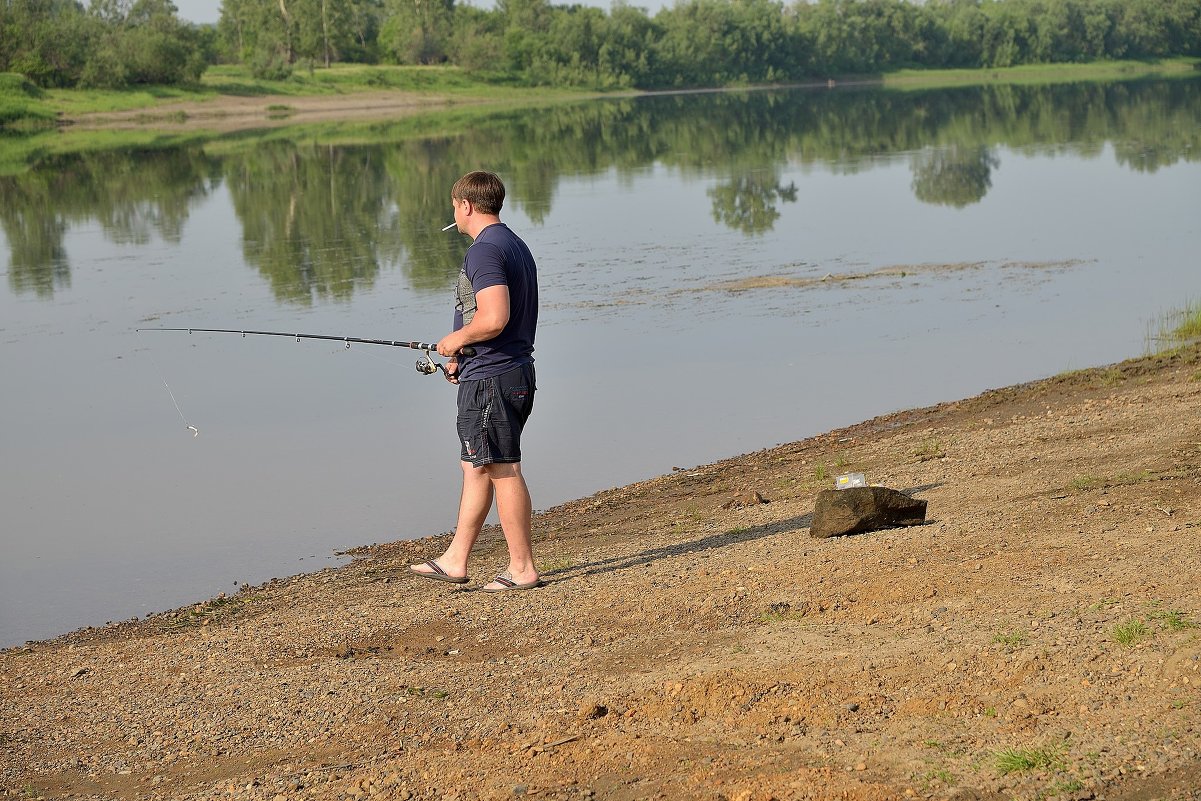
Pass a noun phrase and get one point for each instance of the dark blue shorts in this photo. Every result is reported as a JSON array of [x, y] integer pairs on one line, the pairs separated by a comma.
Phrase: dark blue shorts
[[492, 414]]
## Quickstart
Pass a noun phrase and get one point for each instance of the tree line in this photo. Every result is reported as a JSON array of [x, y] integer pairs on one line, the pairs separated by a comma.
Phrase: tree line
[[532, 42]]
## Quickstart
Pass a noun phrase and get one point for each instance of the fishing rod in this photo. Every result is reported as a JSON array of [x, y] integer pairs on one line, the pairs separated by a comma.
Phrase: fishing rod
[[426, 366]]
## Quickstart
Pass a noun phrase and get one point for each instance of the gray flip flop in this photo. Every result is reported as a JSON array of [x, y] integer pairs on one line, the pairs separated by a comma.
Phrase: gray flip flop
[[439, 574]]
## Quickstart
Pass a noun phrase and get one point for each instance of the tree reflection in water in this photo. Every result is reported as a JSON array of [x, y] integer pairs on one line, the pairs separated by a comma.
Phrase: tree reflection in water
[[322, 220]]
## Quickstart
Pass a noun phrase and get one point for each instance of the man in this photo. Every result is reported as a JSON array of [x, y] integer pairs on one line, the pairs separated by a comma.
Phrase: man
[[496, 313]]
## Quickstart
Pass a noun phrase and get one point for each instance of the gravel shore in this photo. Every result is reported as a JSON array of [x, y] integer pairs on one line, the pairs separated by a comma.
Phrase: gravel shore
[[1037, 638]]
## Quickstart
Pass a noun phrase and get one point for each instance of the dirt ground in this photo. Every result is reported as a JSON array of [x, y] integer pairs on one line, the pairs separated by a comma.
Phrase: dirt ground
[[228, 113], [1037, 638]]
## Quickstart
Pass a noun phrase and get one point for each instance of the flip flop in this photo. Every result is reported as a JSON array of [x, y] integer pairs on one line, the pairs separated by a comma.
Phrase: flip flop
[[507, 583], [439, 574]]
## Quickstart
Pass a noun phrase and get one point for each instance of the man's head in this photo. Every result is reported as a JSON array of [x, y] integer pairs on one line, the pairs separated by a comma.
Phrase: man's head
[[484, 190]]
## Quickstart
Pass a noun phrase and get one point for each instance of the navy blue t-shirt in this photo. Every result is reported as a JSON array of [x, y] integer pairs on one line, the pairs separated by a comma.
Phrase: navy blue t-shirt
[[499, 257]]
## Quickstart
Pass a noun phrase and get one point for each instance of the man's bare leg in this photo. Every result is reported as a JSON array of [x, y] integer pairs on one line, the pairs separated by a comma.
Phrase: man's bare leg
[[474, 503], [515, 509]]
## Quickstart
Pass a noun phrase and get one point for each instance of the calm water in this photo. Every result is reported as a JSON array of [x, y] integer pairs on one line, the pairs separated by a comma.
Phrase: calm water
[[1019, 232]]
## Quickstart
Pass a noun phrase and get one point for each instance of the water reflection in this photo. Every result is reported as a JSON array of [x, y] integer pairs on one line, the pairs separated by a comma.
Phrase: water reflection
[[952, 176], [320, 221], [747, 203]]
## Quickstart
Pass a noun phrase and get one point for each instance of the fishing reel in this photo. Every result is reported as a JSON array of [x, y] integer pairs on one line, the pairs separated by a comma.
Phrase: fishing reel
[[428, 366]]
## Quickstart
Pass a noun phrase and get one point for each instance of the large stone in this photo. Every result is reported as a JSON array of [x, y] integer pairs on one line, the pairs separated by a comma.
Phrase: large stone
[[860, 509]]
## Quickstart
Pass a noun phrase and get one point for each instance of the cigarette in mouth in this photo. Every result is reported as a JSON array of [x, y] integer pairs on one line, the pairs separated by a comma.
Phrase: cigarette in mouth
[[447, 228]]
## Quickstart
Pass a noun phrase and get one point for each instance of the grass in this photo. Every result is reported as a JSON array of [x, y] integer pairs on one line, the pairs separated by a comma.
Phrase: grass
[[1059, 788], [779, 612], [22, 105], [1170, 619], [1087, 482], [448, 83], [210, 611], [1130, 632], [554, 564], [1041, 73], [1020, 760], [1175, 329], [1013, 639], [929, 449]]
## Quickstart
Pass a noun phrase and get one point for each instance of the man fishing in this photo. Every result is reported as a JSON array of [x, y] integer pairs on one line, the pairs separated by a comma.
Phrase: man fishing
[[496, 312]]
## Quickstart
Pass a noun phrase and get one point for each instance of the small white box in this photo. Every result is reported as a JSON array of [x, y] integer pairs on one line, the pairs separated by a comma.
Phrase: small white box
[[849, 480]]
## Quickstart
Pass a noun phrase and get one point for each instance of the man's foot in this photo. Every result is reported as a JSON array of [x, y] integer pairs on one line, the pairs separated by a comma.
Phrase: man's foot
[[433, 570], [504, 582]]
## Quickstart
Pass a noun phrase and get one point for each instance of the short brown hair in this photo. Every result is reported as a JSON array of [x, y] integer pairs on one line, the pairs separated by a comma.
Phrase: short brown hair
[[483, 189]]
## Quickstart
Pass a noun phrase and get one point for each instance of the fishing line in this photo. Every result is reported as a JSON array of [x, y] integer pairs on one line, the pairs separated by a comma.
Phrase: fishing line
[[154, 365]]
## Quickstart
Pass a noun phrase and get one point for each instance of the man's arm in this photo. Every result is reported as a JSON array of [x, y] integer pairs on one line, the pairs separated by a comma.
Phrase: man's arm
[[491, 317]]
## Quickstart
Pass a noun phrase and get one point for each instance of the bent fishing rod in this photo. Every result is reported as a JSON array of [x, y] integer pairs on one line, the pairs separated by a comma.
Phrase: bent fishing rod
[[426, 366]]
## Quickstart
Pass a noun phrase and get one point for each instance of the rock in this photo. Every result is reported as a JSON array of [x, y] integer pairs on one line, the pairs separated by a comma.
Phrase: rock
[[593, 711], [745, 499], [860, 509]]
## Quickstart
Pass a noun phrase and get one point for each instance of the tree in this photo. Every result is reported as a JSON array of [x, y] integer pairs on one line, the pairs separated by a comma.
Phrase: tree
[[418, 31]]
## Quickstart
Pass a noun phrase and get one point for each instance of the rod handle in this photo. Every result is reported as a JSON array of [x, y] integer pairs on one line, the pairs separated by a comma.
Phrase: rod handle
[[467, 351]]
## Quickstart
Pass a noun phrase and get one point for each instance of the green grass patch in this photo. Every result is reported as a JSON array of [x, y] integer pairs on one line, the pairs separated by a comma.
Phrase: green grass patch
[[1085, 483], [203, 614], [555, 564], [444, 82], [1130, 632], [1175, 329], [1012, 639], [1042, 73], [1172, 620], [1020, 760], [23, 107], [1061, 787], [929, 449], [780, 612]]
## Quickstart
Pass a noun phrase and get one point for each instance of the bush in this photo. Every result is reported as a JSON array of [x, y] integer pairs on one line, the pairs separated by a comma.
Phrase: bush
[[269, 64]]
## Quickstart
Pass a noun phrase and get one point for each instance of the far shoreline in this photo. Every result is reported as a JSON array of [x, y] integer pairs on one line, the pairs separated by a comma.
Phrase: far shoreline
[[229, 99]]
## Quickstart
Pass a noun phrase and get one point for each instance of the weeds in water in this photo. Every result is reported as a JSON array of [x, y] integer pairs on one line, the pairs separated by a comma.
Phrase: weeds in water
[[1130, 632], [1175, 329], [1018, 760]]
